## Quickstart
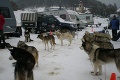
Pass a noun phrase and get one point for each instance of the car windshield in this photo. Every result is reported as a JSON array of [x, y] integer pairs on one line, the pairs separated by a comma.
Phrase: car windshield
[[60, 19], [63, 21]]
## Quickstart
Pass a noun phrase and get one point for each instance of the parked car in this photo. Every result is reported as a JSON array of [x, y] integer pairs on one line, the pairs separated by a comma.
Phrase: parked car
[[10, 20]]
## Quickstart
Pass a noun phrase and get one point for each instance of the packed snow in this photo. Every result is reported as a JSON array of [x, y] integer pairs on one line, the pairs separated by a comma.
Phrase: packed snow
[[63, 63]]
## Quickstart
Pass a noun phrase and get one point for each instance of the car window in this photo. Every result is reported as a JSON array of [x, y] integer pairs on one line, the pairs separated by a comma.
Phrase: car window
[[72, 16], [5, 12], [63, 16], [87, 17], [51, 20]]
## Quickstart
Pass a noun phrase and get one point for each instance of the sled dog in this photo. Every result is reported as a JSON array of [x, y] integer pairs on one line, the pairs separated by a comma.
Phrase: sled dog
[[46, 38], [66, 30], [100, 56], [27, 36], [96, 36], [30, 49], [63, 36], [24, 64], [102, 36]]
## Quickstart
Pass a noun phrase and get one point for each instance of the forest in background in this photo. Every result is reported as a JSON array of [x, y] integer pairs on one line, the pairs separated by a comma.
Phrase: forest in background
[[96, 7]]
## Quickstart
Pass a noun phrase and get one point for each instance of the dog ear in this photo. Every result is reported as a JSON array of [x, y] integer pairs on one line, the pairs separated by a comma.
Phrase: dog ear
[[86, 32], [38, 35], [82, 40]]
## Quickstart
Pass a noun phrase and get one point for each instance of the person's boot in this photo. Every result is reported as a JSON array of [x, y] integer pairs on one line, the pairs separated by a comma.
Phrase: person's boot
[[114, 39]]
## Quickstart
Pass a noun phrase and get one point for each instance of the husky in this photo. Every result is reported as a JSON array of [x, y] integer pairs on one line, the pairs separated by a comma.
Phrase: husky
[[96, 36], [63, 36], [66, 30], [100, 56], [30, 49], [88, 37], [27, 36], [46, 38], [106, 45], [103, 35], [24, 64]]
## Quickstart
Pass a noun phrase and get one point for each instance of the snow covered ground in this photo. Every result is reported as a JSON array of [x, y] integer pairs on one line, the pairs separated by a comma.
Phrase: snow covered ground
[[63, 63]]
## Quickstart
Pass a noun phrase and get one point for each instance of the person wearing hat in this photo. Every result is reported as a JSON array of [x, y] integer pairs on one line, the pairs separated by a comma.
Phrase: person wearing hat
[[114, 25], [2, 22]]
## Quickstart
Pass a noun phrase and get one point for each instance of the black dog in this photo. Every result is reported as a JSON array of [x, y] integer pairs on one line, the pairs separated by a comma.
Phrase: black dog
[[27, 35], [24, 64]]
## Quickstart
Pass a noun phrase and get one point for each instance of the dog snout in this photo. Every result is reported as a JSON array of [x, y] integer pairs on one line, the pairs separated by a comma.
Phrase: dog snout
[[81, 47], [10, 58], [38, 36]]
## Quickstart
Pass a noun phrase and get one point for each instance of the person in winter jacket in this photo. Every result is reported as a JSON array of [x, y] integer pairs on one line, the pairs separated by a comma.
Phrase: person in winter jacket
[[114, 25], [2, 22]]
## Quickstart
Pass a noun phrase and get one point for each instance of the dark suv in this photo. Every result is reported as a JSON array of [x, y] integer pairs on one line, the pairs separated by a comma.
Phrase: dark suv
[[51, 23]]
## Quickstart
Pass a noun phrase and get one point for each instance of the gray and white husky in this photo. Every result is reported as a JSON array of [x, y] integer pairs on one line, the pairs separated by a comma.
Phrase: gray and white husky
[[100, 56], [96, 36], [63, 36]]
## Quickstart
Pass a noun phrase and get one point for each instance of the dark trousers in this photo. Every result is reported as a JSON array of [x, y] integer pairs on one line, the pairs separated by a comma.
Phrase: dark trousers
[[114, 33], [117, 36], [2, 36]]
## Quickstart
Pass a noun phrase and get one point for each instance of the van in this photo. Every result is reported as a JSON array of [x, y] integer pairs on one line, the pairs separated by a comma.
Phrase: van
[[75, 17], [86, 17], [10, 21], [67, 15]]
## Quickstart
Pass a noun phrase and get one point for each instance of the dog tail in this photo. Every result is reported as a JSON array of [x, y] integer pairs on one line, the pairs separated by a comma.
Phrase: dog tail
[[21, 75]]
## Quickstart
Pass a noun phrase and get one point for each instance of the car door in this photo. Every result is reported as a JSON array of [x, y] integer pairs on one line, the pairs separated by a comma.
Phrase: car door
[[52, 23]]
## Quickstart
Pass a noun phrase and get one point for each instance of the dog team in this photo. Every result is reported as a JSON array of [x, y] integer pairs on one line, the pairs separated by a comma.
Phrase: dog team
[[97, 45], [100, 50], [27, 56]]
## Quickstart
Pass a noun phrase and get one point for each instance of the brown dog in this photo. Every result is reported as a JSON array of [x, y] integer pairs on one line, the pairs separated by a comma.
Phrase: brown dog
[[47, 38]]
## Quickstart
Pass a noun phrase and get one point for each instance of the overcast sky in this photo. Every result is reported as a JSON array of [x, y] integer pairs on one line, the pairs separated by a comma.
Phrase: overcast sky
[[111, 2]]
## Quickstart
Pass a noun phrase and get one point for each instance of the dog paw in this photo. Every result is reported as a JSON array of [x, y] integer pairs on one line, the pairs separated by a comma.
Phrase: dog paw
[[37, 65], [89, 59], [95, 74]]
